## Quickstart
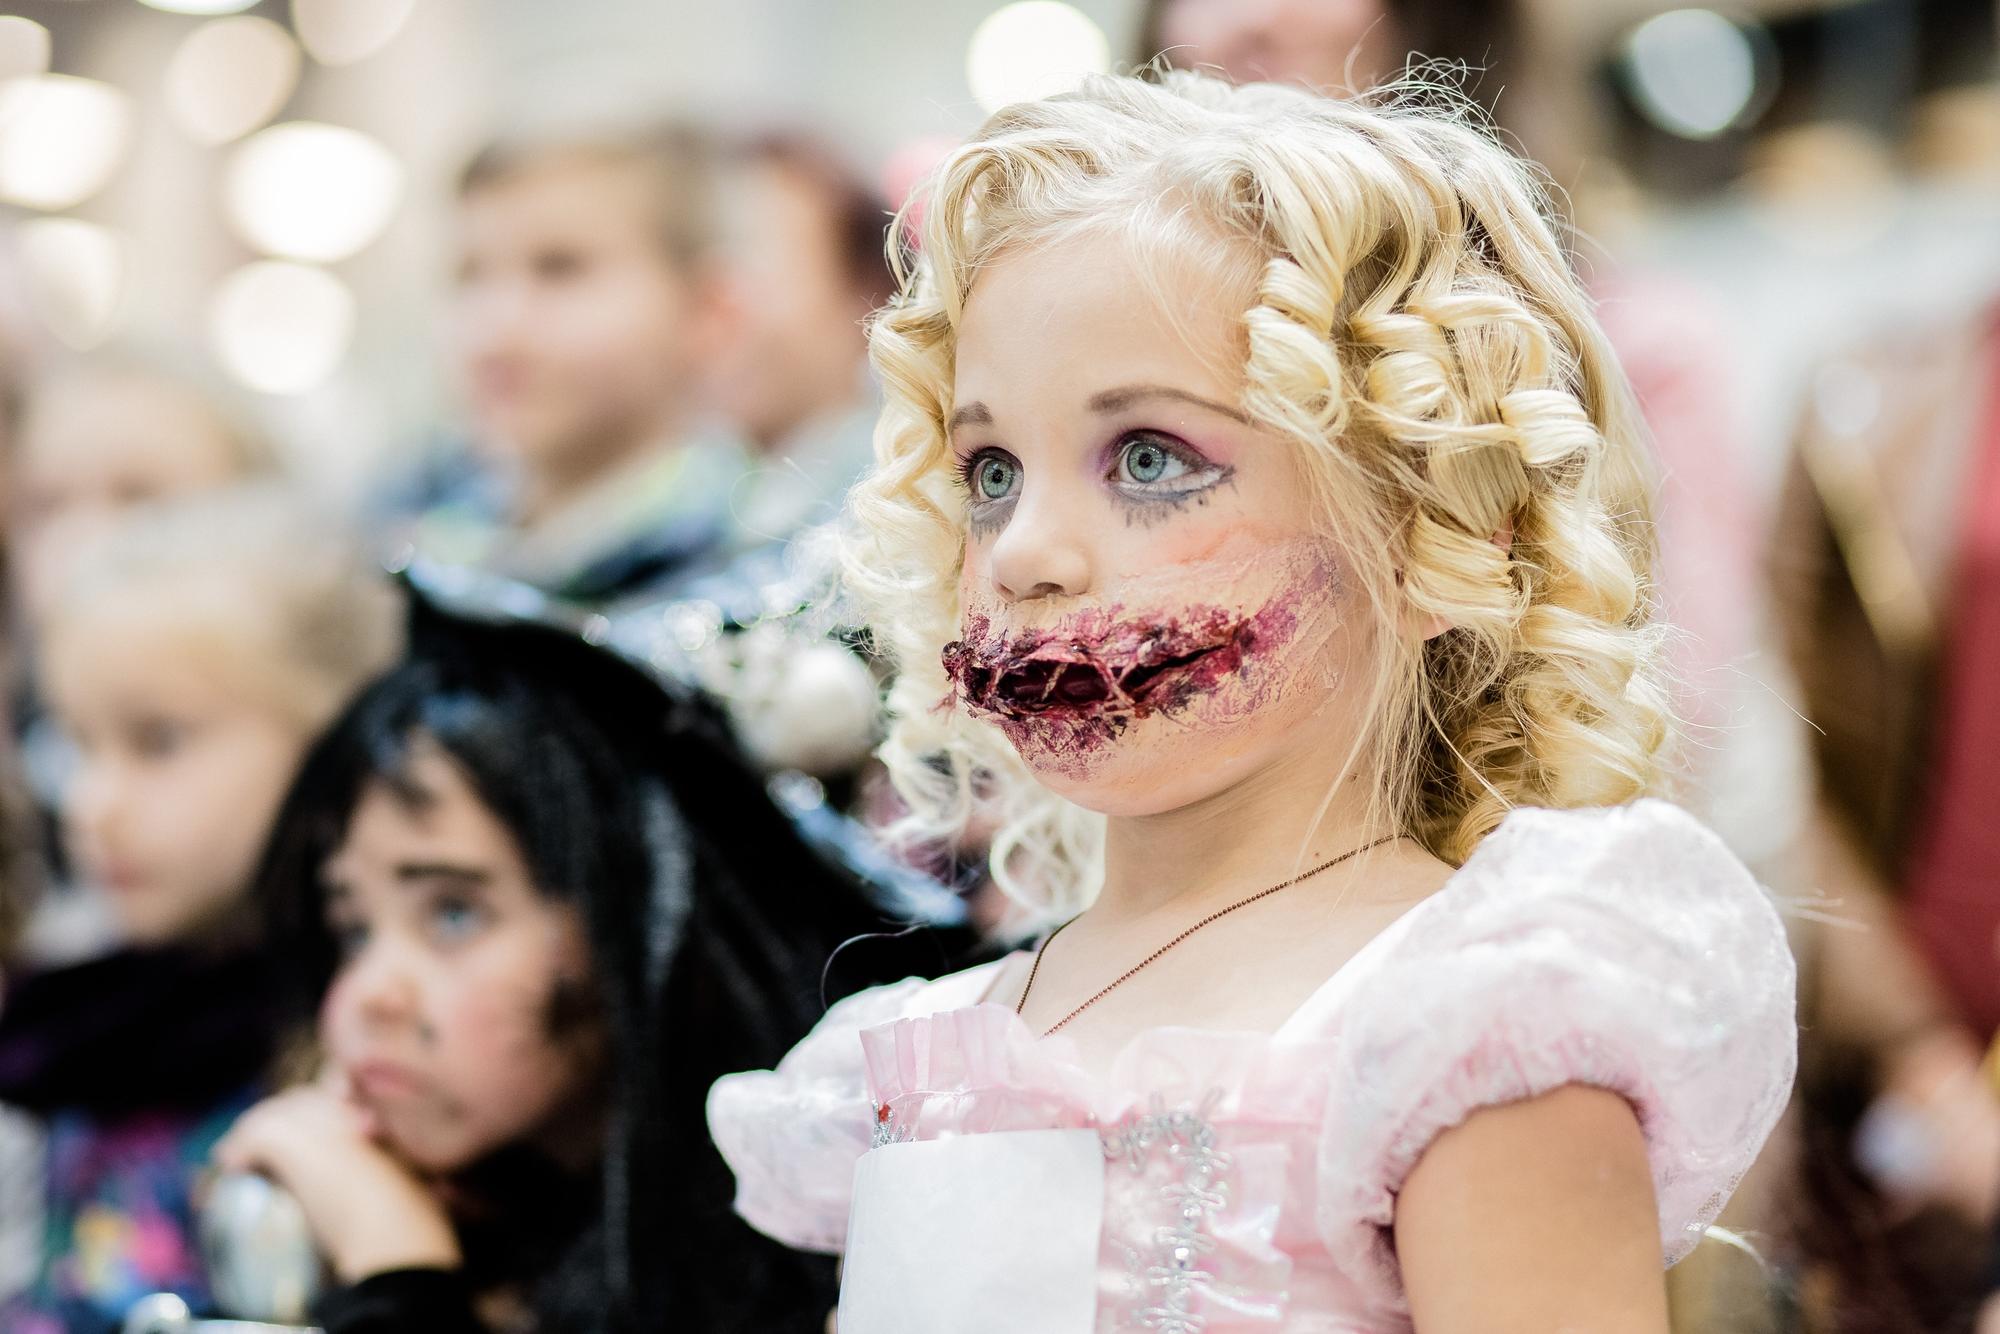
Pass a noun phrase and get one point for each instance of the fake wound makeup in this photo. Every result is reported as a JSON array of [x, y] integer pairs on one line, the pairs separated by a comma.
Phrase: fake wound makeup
[[1081, 681]]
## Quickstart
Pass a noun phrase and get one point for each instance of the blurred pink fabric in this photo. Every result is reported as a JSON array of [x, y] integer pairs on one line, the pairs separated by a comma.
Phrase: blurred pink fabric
[[1623, 948], [1954, 880]]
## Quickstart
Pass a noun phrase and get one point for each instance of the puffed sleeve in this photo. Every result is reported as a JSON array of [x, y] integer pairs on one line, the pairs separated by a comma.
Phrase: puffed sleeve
[[1622, 948], [792, 1135]]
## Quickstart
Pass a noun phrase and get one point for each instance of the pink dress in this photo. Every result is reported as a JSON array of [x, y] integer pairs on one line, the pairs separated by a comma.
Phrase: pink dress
[[978, 1178]]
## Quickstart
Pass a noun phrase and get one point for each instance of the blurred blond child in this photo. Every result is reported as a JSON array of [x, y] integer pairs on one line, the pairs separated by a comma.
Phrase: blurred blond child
[[586, 306], [191, 656]]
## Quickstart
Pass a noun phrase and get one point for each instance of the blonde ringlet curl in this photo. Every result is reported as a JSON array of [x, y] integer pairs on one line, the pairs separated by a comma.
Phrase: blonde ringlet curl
[[1416, 329]]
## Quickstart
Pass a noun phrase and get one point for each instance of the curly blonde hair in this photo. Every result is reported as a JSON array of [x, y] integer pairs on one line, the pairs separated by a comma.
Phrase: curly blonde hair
[[1417, 331]]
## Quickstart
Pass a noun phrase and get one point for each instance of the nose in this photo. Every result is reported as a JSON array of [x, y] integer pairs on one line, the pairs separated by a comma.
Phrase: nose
[[376, 990], [1045, 550], [492, 312]]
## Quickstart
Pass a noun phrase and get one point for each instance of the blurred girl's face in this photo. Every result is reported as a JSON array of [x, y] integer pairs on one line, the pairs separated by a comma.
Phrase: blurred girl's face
[[183, 750], [461, 1013]]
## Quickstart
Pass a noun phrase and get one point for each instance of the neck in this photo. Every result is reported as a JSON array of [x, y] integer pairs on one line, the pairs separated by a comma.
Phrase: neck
[[1264, 830], [550, 484]]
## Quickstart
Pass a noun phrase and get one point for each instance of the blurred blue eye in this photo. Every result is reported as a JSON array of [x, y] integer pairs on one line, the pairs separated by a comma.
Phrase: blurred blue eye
[[454, 919]]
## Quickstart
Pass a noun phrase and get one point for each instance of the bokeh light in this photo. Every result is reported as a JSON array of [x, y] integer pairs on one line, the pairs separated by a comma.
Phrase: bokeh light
[[340, 32], [305, 190], [1033, 49], [75, 274], [201, 6], [230, 76], [24, 47], [1694, 72], [61, 138], [279, 327]]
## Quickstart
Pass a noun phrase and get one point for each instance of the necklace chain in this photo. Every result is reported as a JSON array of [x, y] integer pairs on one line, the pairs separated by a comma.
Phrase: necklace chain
[[1219, 913]]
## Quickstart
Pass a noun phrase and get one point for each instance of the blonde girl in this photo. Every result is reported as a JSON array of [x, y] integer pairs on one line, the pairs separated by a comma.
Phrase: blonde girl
[[1258, 523]]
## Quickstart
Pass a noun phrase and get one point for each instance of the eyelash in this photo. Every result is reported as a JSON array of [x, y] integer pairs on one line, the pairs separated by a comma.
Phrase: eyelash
[[1145, 502]]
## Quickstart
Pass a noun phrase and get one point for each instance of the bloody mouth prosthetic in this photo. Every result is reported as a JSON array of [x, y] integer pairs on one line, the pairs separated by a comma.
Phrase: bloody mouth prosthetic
[[1078, 684]]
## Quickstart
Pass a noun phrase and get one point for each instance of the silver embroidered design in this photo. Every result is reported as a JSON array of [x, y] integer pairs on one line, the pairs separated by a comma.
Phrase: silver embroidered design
[[1176, 1276], [886, 1131]]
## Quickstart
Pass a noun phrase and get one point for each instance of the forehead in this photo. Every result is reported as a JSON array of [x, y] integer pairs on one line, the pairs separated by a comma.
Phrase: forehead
[[1087, 310], [570, 195], [167, 648], [129, 426], [431, 804]]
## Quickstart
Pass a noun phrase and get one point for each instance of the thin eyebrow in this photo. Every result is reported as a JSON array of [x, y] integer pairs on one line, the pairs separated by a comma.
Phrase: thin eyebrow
[[1117, 400], [466, 877], [972, 414]]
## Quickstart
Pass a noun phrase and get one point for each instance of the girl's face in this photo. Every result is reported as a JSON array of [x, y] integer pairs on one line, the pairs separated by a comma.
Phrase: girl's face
[[182, 754], [462, 1011], [1150, 613]]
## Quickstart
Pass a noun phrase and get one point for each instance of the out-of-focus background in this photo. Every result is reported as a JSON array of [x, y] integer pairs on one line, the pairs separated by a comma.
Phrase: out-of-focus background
[[567, 295], [1814, 164]]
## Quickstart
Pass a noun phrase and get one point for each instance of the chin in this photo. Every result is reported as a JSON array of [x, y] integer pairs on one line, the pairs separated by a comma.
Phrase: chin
[[1148, 768], [428, 1149]]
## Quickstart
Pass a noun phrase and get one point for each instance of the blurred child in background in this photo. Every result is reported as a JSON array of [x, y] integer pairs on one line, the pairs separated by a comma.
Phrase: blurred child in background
[[190, 657], [586, 299], [94, 442]]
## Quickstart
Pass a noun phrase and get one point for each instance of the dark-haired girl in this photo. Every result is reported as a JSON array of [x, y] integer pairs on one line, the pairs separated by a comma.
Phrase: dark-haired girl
[[541, 905]]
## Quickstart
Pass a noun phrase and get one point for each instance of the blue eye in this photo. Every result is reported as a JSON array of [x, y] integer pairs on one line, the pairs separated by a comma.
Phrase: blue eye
[[994, 476], [1146, 460], [455, 919]]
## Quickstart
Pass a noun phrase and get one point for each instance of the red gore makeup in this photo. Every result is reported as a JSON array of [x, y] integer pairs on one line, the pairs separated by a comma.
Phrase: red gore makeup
[[1074, 686]]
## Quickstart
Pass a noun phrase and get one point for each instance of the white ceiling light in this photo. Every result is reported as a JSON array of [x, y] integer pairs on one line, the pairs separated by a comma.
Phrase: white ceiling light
[[340, 32], [1032, 49], [1694, 72], [310, 191], [75, 277], [61, 138], [281, 328], [200, 6], [230, 76], [24, 47]]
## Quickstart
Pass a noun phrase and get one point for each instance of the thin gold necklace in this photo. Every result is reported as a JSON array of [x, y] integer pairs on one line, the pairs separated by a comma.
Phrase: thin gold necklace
[[1022, 1004]]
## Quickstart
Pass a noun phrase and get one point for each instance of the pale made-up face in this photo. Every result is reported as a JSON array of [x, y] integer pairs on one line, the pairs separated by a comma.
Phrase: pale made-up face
[[1150, 613], [1326, 45], [575, 333], [460, 1014], [184, 749]]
